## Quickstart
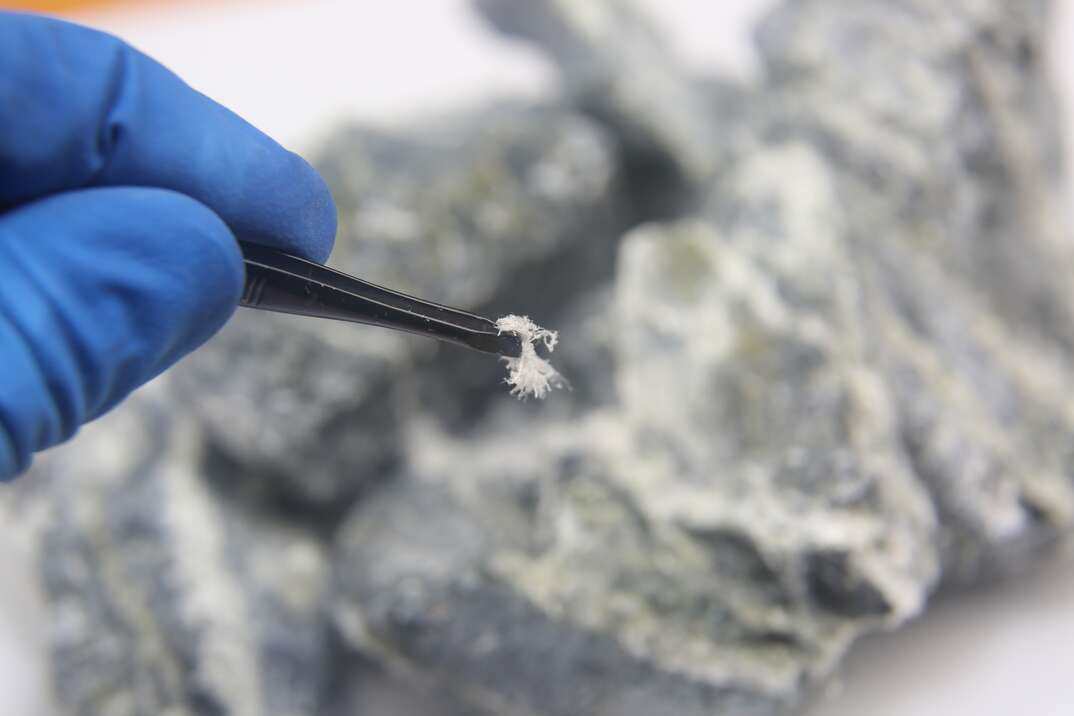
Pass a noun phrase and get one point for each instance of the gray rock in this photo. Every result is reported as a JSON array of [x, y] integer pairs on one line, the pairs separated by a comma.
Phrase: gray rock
[[452, 601], [278, 395], [367, 687], [711, 544], [503, 189], [961, 260], [162, 599], [973, 174], [840, 388], [971, 392], [618, 68]]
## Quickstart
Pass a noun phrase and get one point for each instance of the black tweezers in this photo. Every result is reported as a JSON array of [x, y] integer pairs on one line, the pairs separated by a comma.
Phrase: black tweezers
[[276, 281]]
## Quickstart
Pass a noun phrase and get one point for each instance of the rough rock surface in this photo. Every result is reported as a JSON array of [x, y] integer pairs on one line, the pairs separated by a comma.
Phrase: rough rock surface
[[953, 222], [163, 598], [820, 337]]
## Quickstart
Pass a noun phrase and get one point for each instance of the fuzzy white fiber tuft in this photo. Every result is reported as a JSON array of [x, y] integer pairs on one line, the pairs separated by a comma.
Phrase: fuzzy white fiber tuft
[[529, 373]]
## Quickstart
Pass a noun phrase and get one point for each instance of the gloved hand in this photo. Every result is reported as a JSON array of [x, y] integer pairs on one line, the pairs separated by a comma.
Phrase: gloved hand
[[121, 192]]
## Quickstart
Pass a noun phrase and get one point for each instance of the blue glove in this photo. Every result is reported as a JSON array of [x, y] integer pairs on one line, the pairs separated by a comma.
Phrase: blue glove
[[121, 192]]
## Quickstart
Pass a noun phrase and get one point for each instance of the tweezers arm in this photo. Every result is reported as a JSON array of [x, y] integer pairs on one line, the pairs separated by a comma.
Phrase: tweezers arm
[[276, 281]]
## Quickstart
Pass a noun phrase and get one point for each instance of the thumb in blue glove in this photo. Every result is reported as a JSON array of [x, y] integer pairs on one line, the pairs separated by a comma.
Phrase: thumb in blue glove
[[121, 190]]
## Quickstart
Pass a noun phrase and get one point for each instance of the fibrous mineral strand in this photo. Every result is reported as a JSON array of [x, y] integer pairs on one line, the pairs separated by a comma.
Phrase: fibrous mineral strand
[[530, 374]]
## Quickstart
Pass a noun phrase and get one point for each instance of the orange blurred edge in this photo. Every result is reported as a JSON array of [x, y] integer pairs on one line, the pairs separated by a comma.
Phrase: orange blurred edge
[[59, 6]]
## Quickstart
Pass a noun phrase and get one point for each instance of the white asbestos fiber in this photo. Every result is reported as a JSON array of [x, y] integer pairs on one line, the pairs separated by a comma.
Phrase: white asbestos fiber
[[529, 374]]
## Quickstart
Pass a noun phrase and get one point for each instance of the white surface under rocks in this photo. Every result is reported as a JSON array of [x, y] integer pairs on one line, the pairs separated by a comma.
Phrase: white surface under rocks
[[292, 67], [23, 670]]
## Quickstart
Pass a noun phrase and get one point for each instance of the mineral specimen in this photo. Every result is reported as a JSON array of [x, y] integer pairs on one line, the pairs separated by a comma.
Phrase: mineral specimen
[[529, 373], [162, 598], [819, 335]]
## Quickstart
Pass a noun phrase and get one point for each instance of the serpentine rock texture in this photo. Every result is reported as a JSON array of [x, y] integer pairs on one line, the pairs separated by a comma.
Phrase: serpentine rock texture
[[820, 337]]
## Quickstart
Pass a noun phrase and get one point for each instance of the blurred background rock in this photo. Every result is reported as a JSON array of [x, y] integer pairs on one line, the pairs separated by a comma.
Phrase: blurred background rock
[[838, 379]]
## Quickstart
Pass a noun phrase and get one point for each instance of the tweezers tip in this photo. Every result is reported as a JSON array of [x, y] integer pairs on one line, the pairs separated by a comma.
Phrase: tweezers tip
[[503, 344]]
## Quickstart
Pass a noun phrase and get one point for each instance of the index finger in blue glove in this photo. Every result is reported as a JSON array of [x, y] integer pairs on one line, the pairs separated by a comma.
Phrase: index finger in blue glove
[[101, 290], [79, 108]]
